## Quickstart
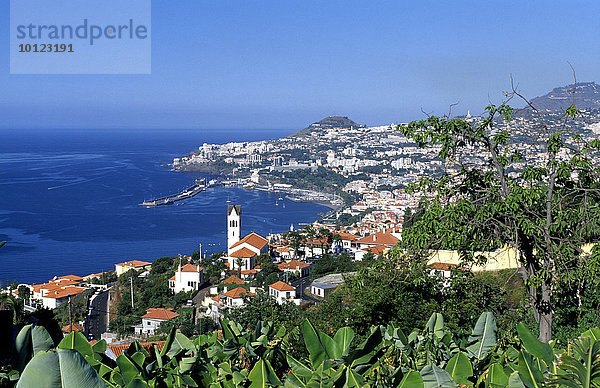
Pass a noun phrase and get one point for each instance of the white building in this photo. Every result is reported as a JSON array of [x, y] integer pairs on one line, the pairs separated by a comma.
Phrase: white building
[[244, 251], [282, 292], [152, 320], [235, 297], [121, 268], [187, 278]]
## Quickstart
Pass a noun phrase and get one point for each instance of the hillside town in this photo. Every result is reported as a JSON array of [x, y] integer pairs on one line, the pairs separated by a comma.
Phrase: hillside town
[[293, 255]]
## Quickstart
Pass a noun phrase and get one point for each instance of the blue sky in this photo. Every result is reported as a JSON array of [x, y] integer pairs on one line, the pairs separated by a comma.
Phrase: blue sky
[[284, 64]]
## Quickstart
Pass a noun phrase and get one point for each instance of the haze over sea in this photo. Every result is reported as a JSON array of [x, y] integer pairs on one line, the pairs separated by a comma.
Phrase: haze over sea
[[69, 200]]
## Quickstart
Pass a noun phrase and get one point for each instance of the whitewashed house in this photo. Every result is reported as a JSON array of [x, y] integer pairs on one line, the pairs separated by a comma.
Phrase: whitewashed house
[[282, 292], [235, 297], [188, 277], [153, 319]]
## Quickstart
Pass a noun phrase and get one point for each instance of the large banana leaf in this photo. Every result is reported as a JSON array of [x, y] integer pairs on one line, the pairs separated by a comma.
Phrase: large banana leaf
[[59, 369], [262, 375], [412, 379], [528, 372], [535, 346], [434, 377], [319, 345], [460, 369], [483, 336], [514, 381], [343, 338], [435, 325], [496, 377], [30, 341]]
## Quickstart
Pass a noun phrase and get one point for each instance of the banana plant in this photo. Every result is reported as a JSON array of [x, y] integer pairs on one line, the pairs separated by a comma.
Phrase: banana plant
[[580, 367], [331, 361]]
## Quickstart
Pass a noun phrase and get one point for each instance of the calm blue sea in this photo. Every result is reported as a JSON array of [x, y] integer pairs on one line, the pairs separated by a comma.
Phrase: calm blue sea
[[69, 200]]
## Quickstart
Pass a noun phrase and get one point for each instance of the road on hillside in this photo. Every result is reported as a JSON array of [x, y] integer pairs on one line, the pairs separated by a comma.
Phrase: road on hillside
[[300, 285], [97, 315]]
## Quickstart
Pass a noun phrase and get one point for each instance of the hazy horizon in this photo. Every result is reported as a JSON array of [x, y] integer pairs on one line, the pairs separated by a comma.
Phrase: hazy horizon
[[284, 65]]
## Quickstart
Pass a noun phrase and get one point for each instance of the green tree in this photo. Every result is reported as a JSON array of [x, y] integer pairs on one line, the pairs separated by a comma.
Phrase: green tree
[[328, 264], [162, 265], [213, 267], [267, 269], [24, 292], [262, 307], [546, 210]]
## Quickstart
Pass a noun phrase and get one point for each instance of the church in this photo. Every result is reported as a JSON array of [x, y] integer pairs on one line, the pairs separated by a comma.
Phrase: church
[[241, 251]]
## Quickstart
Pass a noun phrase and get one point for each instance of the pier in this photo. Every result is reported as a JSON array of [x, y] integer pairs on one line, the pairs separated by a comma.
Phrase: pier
[[200, 184]]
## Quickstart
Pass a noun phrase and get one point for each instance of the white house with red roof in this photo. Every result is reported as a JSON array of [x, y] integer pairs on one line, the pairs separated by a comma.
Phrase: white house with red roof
[[283, 292], [235, 297], [188, 277], [346, 240], [376, 243], [245, 251], [57, 296], [153, 319], [121, 268], [299, 267], [56, 291]]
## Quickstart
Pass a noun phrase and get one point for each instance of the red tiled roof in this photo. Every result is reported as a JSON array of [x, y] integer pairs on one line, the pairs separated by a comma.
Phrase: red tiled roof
[[71, 277], [76, 327], [134, 263], [249, 272], [63, 292], [377, 249], [281, 286], [378, 239], [237, 293], [190, 268], [118, 349], [233, 280], [244, 252], [348, 236], [173, 278], [294, 264], [252, 239], [443, 266], [163, 314]]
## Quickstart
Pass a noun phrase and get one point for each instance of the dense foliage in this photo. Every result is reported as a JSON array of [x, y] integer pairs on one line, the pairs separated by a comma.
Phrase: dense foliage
[[547, 209], [432, 356]]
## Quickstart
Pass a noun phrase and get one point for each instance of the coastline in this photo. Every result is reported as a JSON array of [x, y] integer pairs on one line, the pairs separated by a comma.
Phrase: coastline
[[295, 194]]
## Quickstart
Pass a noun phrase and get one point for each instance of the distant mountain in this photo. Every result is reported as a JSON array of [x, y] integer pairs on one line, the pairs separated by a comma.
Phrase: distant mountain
[[587, 96], [327, 123]]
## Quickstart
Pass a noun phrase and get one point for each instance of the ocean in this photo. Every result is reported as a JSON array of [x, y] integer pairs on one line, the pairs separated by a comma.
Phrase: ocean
[[69, 200]]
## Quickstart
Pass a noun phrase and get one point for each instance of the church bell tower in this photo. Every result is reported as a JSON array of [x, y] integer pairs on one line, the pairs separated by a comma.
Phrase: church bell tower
[[234, 227]]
